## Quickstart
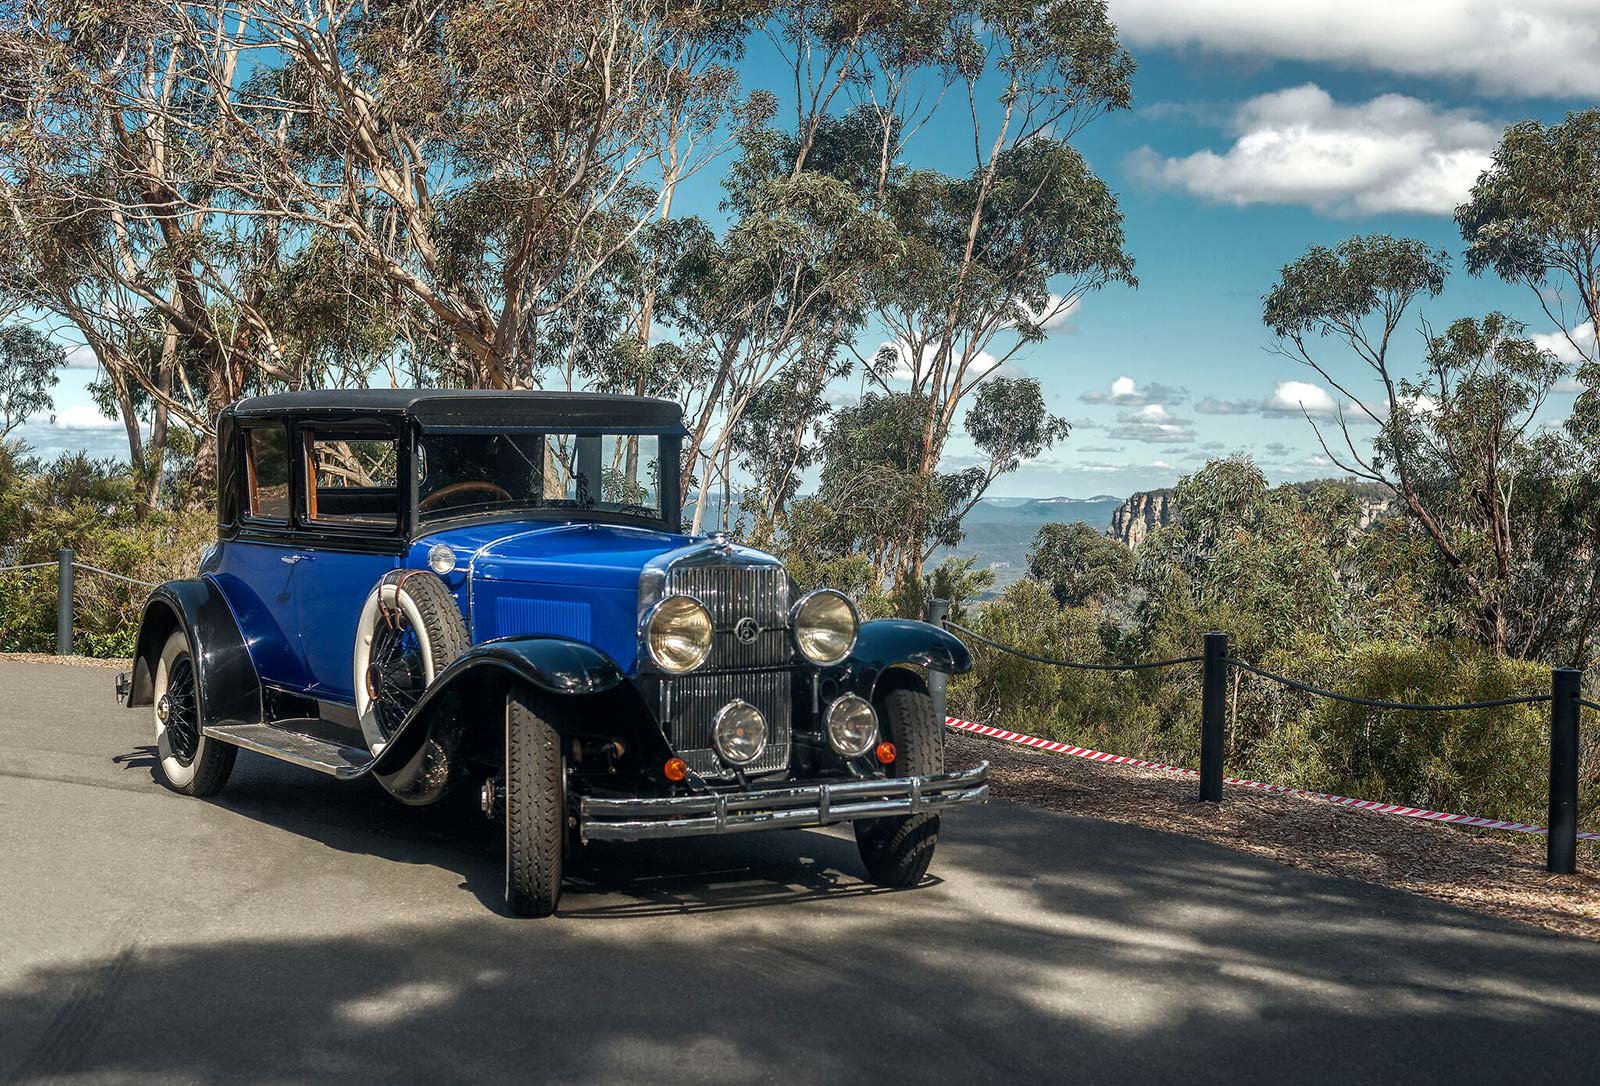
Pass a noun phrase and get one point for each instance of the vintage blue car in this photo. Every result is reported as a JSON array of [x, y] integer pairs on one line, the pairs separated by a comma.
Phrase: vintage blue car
[[444, 589]]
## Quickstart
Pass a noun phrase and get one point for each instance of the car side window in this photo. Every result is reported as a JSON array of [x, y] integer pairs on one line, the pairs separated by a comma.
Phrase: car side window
[[266, 466], [351, 479]]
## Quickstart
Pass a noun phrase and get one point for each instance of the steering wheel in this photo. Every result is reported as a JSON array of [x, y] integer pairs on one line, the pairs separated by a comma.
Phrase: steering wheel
[[478, 485]]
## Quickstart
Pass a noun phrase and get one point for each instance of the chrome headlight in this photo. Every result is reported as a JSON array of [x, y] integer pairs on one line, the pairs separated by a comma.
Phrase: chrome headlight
[[740, 734], [852, 726], [677, 632], [441, 559], [824, 624]]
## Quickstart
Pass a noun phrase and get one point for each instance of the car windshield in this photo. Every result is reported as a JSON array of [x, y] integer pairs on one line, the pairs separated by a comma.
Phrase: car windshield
[[466, 473]]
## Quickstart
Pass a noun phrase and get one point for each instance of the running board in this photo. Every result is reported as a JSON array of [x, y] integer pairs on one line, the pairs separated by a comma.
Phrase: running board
[[278, 741]]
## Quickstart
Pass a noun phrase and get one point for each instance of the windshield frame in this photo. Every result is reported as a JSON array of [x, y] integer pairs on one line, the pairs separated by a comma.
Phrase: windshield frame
[[669, 466]]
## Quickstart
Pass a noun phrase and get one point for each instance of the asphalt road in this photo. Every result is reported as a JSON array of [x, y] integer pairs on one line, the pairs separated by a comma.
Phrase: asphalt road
[[300, 928]]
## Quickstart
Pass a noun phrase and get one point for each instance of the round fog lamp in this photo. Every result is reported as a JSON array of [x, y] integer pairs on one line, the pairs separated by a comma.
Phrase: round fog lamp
[[825, 624], [678, 633], [441, 559], [852, 726], [740, 734]]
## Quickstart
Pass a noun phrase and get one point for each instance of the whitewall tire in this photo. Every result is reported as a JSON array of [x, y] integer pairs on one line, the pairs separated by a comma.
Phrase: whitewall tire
[[191, 763]]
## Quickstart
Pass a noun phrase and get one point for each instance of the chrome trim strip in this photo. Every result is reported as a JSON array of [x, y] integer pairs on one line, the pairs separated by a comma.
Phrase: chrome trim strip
[[818, 804]]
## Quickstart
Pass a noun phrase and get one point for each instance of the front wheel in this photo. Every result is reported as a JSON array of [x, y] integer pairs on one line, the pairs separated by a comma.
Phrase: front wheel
[[897, 851], [536, 808], [190, 762]]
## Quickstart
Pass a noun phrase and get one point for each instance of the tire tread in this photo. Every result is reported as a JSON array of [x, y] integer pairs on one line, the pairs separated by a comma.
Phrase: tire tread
[[535, 814], [897, 851]]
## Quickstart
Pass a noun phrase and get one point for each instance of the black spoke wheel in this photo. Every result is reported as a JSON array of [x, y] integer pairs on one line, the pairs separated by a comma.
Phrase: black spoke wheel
[[182, 710], [191, 762], [396, 674]]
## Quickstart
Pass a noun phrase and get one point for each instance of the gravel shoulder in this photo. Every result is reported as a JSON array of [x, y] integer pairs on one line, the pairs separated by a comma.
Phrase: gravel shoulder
[[109, 663], [1492, 872]]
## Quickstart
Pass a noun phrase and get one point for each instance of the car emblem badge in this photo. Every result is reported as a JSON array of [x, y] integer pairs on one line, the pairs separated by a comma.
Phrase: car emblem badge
[[746, 630]]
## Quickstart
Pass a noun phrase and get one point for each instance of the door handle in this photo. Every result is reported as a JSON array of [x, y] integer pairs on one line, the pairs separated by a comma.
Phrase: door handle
[[293, 559]]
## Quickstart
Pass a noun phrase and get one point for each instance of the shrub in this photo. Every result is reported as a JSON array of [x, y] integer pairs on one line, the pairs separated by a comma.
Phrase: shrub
[[91, 506]]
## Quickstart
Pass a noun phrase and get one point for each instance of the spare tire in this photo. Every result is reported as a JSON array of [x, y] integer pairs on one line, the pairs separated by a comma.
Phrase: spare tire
[[410, 630]]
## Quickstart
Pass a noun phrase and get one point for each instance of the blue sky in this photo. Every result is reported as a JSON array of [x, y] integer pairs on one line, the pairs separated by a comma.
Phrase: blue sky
[[1256, 131]]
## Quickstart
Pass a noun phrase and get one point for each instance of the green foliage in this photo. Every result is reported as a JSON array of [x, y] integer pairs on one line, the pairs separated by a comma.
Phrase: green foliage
[[1331, 291], [1533, 218], [28, 364], [1493, 760], [1080, 565], [93, 507]]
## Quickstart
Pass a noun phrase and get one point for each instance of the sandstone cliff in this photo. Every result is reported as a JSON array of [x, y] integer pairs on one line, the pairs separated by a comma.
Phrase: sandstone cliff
[[1148, 510], [1140, 515]]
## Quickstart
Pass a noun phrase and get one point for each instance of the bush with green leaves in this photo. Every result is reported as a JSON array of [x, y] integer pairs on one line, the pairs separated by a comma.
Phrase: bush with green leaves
[[95, 508]]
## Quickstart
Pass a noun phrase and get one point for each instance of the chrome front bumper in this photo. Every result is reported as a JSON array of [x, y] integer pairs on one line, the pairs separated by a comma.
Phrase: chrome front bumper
[[782, 807]]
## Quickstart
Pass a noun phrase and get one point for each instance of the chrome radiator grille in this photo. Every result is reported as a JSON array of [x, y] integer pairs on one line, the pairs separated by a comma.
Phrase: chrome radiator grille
[[731, 592], [693, 701]]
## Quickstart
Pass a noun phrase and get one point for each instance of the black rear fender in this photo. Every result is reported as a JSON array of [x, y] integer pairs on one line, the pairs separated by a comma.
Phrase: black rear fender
[[584, 692], [230, 690]]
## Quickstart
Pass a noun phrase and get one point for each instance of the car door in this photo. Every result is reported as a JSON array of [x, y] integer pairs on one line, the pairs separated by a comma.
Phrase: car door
[[256, 568], [351, 519]]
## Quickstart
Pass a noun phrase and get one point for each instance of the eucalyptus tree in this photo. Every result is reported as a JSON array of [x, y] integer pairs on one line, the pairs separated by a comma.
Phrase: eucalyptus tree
[[992, 258], [28, 364], [781, 291], [1496, 499], [1534, 217]]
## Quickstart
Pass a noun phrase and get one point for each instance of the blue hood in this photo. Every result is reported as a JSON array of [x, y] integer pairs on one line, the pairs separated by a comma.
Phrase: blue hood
[[579, 581], [571, 555]]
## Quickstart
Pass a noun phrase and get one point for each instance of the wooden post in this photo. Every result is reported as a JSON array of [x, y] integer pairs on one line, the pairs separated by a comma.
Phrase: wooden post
[[64, 602], [1213, 716], [1561, 854]]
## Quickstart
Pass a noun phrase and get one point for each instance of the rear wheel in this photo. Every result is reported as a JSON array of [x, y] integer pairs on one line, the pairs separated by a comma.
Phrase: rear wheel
[[897, 851], [190, 762], [536, 808]]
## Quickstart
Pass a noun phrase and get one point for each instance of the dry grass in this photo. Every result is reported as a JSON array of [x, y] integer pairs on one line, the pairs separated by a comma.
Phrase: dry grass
[[1493, 872]]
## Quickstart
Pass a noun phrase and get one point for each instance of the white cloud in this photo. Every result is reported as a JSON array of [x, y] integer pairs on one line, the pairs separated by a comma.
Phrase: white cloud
[[81, 357], [1055, 315], [1562, 345], [1153, 425], [77, 416], [1213, 406], [1528, 47], [1293, 397], [1299, 146], [1125, 392], [900, 369]]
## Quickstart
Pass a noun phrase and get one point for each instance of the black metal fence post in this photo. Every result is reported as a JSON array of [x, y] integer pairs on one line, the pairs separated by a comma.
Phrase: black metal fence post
[[938, 681], [64, 602], [1562, 845], [1213, 716]]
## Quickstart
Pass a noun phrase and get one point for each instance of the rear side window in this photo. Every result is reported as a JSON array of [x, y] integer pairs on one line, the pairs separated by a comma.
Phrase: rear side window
[[351, 479], [266, 463]]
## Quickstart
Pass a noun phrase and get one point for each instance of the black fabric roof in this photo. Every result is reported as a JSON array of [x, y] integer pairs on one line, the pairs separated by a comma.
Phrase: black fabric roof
[[475, 408]]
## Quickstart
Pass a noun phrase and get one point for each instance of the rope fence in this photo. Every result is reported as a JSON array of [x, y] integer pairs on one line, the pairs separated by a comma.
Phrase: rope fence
[[1565, 700], [1069, 664], [1374, 703], [65, 565]]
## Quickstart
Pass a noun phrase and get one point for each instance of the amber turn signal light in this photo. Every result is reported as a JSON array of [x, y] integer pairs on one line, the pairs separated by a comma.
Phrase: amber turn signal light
[[886, 753], [676, 769]]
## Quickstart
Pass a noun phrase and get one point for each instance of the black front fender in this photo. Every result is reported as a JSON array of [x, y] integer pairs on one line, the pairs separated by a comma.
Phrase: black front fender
[[886, 642], [230, 690], [585, 680]]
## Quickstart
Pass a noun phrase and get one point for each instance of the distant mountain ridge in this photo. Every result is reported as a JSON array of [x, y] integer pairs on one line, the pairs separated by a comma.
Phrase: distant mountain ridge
[[999, 531]]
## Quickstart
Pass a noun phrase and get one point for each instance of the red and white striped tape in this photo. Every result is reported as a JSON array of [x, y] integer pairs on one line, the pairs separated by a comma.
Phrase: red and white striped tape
[[1276, 789]]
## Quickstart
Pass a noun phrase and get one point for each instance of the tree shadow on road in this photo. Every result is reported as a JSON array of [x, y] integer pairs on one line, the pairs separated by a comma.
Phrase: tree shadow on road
[[1056, 948], [608, 880]]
